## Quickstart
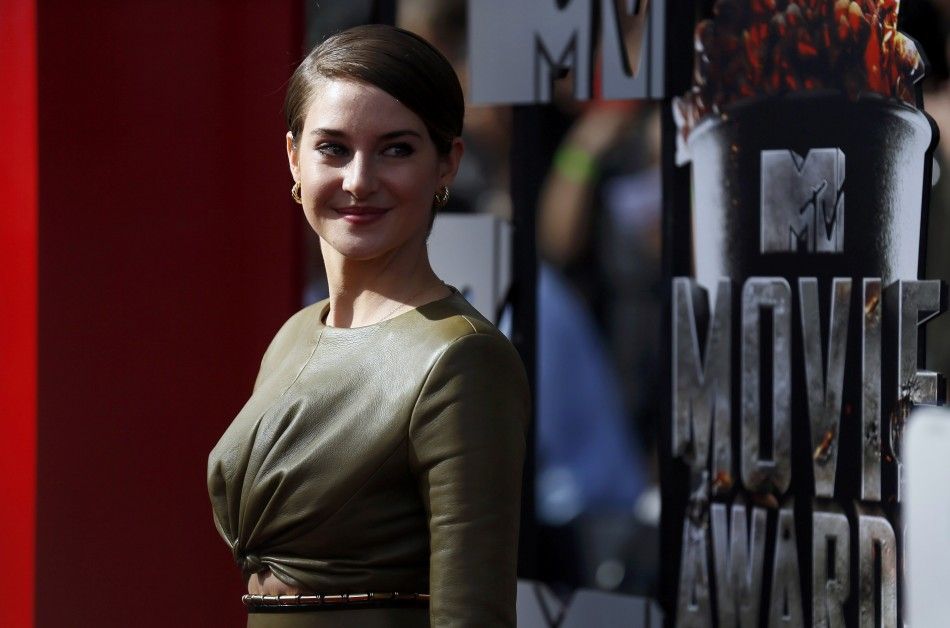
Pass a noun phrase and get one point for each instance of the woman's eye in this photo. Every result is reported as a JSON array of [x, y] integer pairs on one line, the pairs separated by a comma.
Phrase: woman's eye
[[398, 150], [331, 150]]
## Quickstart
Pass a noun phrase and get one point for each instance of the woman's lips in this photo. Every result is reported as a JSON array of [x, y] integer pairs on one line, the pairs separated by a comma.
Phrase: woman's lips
[[361, 215]]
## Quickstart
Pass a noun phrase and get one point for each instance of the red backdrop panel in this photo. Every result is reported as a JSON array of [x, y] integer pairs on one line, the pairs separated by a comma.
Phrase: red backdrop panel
[[17, 307], [168, 257]]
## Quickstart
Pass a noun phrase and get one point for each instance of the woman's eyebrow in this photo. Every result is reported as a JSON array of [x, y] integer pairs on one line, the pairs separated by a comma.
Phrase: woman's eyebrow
[[399, 133], [330, 132]]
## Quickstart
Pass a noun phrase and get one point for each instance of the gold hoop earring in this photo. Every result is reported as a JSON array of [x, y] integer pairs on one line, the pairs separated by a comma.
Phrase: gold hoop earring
[[295, 192], [441, 197]]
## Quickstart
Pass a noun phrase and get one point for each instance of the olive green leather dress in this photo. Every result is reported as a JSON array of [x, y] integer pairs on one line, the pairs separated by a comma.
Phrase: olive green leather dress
[[384, 458]]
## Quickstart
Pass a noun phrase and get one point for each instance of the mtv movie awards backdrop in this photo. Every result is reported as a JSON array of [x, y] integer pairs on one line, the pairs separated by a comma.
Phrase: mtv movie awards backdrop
[[798, 346], [796, 342]]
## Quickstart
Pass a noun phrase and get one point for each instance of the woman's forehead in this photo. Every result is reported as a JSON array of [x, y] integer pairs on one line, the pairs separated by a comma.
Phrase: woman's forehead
[[356, 106]]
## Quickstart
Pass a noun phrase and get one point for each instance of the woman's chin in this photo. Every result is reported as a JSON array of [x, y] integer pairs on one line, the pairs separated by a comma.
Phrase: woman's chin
[[359, 249], [365, 247]]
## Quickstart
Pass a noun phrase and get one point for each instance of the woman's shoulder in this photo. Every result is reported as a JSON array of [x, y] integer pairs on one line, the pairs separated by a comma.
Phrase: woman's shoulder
[[451, 333], [446, 321], [471, 375]]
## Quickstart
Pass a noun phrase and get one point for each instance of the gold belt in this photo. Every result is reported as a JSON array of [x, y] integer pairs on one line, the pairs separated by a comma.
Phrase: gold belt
[[338, 600]]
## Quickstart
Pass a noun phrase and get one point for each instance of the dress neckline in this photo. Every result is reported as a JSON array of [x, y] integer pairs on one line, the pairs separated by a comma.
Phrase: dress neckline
[[325, 311]]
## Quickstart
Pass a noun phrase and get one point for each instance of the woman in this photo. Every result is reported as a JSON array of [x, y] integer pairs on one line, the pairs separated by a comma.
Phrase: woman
[[381, 449]]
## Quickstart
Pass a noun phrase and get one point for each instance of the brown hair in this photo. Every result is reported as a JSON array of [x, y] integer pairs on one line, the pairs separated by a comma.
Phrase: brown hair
[[398, 62]]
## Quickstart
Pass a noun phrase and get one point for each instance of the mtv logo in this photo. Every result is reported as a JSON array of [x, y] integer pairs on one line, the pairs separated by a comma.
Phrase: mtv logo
[[518, 49], [802, 208]]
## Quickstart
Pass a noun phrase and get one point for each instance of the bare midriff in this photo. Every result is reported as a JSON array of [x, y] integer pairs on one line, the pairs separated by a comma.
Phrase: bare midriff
[[266, 583]]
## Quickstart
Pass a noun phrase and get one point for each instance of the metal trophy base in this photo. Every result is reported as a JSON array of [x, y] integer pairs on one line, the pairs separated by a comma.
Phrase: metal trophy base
[[759, 174]]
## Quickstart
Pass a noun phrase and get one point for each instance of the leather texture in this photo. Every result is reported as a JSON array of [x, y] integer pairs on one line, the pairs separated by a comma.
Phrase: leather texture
[[382, 458]]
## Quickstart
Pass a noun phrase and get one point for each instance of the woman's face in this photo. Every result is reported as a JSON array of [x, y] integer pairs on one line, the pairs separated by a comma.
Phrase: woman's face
[[368, 170]]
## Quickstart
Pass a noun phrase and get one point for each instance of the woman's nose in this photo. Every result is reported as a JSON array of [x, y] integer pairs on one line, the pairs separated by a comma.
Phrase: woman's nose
[[359, 180]]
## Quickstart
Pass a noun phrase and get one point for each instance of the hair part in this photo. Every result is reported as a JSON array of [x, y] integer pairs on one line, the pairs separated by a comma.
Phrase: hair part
[[396, 61]]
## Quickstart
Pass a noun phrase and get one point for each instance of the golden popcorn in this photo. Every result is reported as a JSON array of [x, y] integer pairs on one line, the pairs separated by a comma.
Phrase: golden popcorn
[[754, 48]]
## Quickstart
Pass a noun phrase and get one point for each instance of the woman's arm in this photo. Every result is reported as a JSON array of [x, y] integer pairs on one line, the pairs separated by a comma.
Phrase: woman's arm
[[467, 441]]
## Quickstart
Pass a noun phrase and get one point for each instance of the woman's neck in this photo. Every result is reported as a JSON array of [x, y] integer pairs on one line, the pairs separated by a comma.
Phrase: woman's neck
[[365, 292]]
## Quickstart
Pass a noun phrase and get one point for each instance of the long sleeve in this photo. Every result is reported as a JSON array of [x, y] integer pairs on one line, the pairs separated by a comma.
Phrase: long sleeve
[[467, 442]]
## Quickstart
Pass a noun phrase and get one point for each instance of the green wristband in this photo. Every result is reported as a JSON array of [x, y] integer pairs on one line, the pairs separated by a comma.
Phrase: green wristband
[[575, 164]]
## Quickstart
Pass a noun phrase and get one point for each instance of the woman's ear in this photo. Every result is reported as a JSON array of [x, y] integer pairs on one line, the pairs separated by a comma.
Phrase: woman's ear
[[449, 163], [293, 157]]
